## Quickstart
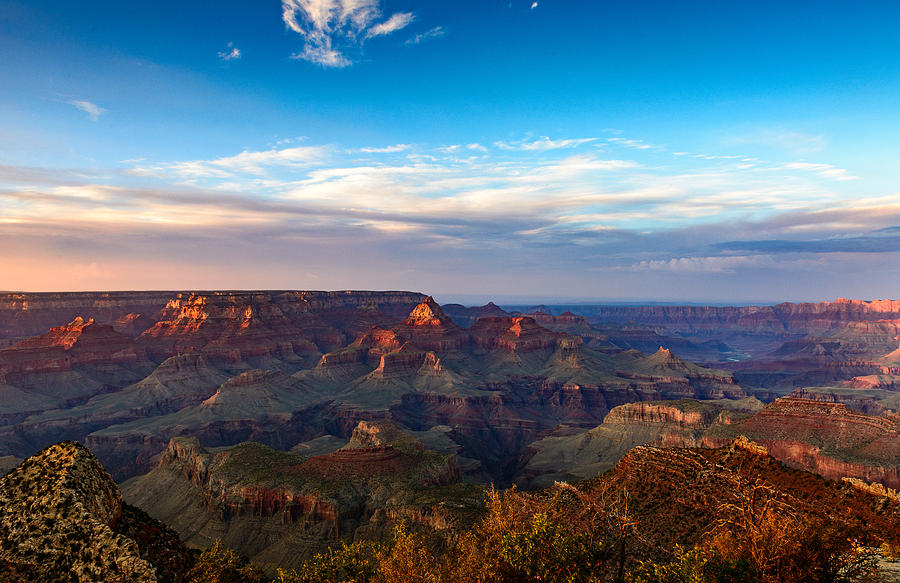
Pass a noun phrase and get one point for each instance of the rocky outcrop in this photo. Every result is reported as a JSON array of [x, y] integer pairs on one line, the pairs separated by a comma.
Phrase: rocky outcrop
[[827, 438], [520, 334], [678, 414], [430, 329], [262, 501], [402, 362], [59, 517]]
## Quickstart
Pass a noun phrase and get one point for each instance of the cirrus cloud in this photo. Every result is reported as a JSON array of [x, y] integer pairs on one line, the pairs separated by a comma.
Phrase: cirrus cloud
[[93, 110], [332, 28]]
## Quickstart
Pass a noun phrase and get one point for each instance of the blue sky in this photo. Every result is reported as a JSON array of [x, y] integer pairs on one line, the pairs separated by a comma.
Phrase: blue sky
[[611, 150]]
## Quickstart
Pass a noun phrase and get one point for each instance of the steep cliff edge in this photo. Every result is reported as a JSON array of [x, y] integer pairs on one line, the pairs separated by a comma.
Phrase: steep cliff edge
[[25, 314]]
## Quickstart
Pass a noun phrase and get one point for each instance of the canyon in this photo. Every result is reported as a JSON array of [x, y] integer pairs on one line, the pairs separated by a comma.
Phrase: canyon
[[313, 416]]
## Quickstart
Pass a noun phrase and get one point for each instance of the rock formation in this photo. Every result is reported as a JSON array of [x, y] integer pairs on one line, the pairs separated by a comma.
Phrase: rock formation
[[827, 438], [674, 493], [62, 516], [281, 507], [569, 453]]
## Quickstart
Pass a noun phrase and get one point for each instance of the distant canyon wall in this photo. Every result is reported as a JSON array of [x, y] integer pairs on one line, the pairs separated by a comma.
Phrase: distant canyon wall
[[24, 314], [786, 318]]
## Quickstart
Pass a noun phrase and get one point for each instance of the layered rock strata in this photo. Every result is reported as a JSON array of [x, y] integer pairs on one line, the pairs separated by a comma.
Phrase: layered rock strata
[[281, 507]]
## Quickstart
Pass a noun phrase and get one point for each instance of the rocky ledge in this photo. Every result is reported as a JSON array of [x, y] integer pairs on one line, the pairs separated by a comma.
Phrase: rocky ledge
[[61, 515]]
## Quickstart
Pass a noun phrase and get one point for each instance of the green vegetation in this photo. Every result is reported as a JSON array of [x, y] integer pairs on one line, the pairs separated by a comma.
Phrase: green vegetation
[[257, 462], [568, 536], [220, 565]]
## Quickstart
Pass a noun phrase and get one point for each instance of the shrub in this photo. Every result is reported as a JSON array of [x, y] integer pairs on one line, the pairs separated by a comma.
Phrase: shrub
[[407, 559], [351, 563], [783, 545], [220, 565], [517, 541], [699, 565]]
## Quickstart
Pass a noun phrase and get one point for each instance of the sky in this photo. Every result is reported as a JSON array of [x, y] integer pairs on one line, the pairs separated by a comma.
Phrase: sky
[[668, 151]]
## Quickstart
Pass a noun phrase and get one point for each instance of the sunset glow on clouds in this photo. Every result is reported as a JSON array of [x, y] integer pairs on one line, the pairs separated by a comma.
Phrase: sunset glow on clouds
[[582, 207], [385, 161]]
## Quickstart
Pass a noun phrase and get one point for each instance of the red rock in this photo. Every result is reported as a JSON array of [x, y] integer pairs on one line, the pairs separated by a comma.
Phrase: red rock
[[80, 342], [232, 326], [403, 362], [828, 438], [520, 334], [430, 329]]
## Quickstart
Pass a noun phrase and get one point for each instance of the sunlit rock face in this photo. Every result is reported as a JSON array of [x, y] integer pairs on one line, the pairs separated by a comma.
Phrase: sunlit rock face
[[288, 325], [430, 329]]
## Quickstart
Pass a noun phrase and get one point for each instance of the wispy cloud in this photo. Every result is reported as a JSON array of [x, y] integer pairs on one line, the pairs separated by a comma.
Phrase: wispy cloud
[[92, 109], [714, 264], [537, 201], [393, 24], [636, 144], [332, 28], [437, 31], [783, 139], [825, 170], [542, 144], [247, 162], [231, 53], [385, 149]]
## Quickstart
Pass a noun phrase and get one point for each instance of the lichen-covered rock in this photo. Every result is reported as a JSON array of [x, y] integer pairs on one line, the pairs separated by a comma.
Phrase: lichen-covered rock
[[57, 513]]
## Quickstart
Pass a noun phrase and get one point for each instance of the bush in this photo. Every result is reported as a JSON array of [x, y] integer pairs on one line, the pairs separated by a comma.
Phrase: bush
[[352, 563], [783, 545], [219, 565], [517, 542], [699, 565]]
